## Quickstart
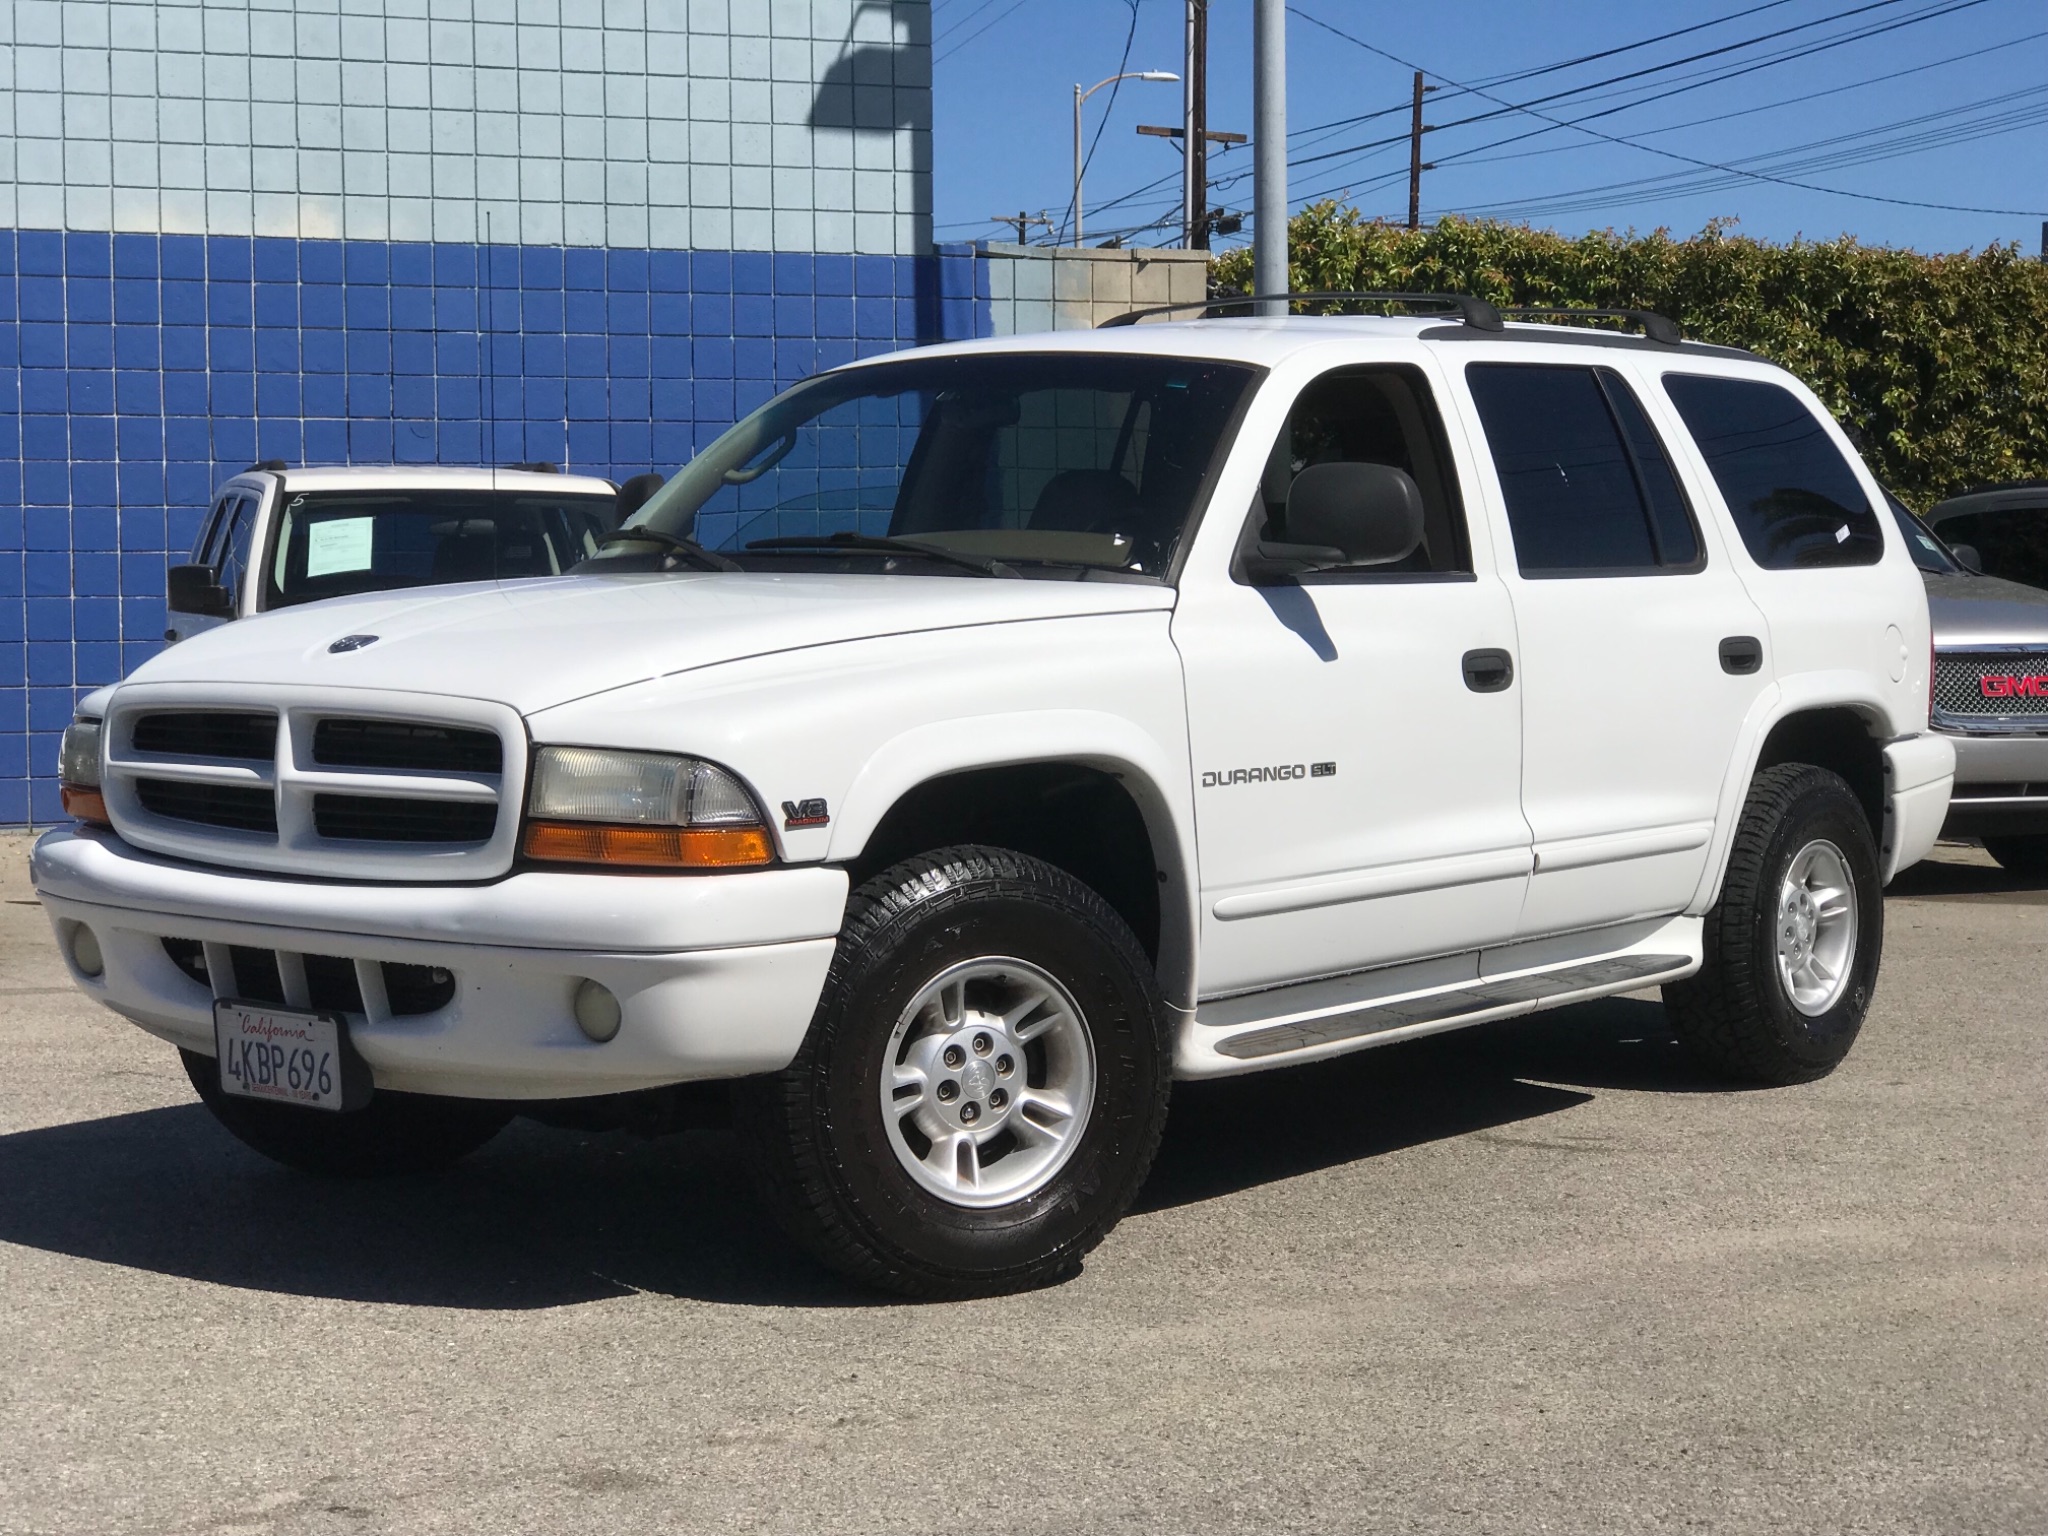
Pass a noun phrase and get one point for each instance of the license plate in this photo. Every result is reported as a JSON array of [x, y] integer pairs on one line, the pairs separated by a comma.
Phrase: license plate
[[279, 1054]]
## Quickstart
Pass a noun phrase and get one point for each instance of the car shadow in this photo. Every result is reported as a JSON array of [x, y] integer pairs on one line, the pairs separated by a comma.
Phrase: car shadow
[[545, 1218]]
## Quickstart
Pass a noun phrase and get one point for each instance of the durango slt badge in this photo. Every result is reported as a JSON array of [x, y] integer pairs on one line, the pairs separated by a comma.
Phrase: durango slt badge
[[1217, 778], [2003, 685]]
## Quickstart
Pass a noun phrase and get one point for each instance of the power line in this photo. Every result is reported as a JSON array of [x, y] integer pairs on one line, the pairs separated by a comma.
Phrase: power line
[[1116, 87], [999, 19], [1529, 108]]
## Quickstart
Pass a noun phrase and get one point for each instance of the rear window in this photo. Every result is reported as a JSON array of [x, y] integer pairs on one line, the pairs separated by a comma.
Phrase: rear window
[[1793, 496], [1589, 491]]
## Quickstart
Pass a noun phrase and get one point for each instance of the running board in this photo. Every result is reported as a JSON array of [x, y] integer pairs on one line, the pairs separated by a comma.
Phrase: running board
[[1443, 1007]]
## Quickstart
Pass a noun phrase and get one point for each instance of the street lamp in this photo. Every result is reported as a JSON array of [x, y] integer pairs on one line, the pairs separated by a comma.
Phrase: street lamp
[[1081, 96]]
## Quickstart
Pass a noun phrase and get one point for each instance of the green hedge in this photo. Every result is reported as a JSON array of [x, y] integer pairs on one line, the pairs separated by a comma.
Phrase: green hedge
[[1937, 364]]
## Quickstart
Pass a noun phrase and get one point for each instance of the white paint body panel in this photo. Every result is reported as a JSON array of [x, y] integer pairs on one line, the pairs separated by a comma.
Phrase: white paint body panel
[[1461, 835]]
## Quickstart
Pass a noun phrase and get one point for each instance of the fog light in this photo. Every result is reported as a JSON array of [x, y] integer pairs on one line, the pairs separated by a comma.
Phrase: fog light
[[597, 1011], [85, 952]]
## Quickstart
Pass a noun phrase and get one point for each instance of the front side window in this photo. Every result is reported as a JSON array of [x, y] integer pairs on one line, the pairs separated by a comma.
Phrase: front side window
[[1042, 462], [334, 542], [1371, 416], [234, 548], [1588, 487], [1793, 496]]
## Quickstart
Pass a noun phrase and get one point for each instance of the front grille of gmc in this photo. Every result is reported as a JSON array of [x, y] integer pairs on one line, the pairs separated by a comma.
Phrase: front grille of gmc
[[319, 791], [1991, 685]]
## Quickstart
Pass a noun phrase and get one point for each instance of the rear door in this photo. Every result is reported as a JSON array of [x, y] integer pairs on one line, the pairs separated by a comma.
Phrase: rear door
[[1641, 652]]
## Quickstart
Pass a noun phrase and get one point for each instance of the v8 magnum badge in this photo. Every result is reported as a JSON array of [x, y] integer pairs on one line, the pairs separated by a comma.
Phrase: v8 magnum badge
[[803, 813]]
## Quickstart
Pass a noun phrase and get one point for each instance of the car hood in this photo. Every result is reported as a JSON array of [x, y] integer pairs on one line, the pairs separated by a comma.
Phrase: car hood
[[534, 644], [1983, 610]]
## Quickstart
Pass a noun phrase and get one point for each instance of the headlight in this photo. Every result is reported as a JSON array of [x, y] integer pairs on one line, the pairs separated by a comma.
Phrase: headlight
[[78, 773], [591, 806]]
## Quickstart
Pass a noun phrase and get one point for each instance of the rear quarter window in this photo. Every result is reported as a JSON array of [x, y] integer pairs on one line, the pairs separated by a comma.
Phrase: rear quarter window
[[1795, 500]]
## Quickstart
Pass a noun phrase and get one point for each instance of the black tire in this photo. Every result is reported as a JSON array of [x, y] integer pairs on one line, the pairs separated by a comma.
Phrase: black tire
[[816, 1132], [393, 1133], [1736, 1016], [2024, 855]]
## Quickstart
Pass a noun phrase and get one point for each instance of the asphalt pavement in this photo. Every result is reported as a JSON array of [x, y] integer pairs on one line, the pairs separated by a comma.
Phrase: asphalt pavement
[[1537, 1277]]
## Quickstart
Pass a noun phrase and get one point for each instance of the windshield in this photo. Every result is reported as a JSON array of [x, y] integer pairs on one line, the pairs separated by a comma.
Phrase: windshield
[[334, 542], [1925, 546], [1063, 460]]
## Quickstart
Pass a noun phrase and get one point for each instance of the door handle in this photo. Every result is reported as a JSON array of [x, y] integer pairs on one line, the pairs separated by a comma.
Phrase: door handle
[[1488, 671], [1742, 655]]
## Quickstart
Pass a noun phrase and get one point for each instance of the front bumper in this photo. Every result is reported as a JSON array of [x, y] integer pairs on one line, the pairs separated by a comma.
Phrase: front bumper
[[2001, 785], [717, 975]]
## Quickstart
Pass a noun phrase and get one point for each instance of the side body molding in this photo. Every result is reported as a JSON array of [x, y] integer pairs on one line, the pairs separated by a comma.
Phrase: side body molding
[[1156, 777]]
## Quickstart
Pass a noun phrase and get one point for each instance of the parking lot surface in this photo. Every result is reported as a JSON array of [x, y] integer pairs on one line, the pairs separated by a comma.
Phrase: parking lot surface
[[1539, 1276]]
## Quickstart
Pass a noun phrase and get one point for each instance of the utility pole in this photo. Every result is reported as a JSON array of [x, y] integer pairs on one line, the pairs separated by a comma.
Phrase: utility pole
[[1023, 221], [1415, 165], [1194, 132], [1269, 151]]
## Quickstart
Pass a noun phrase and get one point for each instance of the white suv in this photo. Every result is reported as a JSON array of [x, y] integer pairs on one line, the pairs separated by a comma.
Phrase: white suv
[[974, 740], [277, 536]]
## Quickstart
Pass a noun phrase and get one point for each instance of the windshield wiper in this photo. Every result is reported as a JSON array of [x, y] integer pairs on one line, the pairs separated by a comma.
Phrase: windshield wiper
[[689, 549], [849, 540]]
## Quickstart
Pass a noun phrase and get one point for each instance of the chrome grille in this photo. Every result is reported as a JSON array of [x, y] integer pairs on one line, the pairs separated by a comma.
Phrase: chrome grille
[[337, 783], [1991, 684]]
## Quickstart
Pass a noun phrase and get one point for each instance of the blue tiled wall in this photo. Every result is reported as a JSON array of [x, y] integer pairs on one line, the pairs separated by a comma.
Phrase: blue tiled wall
[[138, 371]]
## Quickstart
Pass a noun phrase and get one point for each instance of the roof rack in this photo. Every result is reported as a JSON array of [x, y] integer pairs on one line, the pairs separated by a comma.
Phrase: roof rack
[[537, 467], [274, 465], [1659, 328], [1477, 313]]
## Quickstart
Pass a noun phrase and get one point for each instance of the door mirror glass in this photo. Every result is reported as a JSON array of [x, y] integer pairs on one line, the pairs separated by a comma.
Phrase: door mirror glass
[[193, 589], [634, 494], [1372, 513]]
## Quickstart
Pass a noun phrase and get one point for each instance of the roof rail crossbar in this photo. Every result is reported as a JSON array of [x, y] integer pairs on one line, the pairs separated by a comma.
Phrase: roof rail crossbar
[[1474, 312], [1659, 328], [276, 466]]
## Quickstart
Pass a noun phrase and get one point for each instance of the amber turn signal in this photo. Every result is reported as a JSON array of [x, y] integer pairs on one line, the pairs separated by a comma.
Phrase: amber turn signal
[[582, 842], [87, 805]]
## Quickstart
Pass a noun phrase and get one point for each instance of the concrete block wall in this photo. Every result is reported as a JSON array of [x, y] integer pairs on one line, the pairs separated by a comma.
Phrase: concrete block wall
[[1058, 288]]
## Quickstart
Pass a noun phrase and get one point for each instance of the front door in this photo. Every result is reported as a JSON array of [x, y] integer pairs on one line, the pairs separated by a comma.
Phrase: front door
[[1641, 652], [1356, 792]]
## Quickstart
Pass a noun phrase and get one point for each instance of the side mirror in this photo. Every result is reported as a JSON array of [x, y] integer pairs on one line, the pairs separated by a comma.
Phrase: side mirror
[[1967, 557], [637, 492], [193, 589], [1343, 515]]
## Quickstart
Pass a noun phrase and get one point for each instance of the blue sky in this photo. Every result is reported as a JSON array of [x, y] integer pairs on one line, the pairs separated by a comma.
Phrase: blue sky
[[1947, 104]]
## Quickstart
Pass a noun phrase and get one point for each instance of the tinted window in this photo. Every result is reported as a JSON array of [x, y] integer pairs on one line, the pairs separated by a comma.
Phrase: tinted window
[[209, 530], [2010, 541], [1928, 552], [1371, 416], [1587, 484], [1790, 491]]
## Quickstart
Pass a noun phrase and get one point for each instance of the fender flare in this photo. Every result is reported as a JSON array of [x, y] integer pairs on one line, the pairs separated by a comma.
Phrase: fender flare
[[1798, 694], [1156, 778]]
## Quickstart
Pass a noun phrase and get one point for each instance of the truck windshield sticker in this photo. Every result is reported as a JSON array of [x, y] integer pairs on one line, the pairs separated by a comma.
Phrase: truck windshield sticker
[[338, 544]]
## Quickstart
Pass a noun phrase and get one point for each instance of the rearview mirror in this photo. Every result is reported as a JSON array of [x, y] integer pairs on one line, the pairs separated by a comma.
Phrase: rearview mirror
[[193, 589], [637, 492], [1343, 516]]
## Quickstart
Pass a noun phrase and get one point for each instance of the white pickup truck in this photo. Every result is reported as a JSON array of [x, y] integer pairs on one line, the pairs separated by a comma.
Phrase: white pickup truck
[[972, 741]]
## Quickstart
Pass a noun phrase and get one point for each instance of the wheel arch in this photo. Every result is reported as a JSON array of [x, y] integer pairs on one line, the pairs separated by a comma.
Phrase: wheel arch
[[1093, 794], [1837, 724]]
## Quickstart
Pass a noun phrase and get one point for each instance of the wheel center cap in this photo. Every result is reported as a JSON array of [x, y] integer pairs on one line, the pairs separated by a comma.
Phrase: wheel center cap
[[976, 1079]]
